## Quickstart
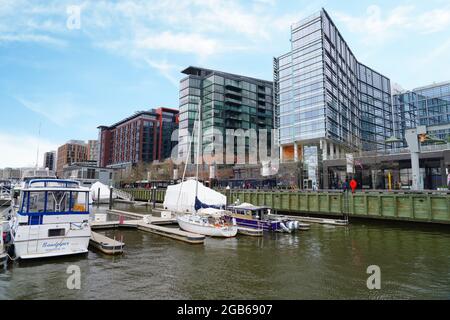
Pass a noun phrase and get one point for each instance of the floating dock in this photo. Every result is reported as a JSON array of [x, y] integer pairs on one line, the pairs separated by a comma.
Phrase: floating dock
[[334, 222], [250, 232], [151, 219], [106, 245], [150, 224], [174, 233]]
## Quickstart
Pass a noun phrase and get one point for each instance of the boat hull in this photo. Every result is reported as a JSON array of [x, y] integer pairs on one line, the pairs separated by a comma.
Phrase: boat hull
[[44, 248], [207, 230], [258, 224]]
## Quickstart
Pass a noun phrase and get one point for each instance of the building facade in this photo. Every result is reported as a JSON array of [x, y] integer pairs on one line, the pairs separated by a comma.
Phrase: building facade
[[327, 103], [50, 160], [87, 173], [229, 102], [428, 105], [72, 151], [92, 150], [143, 137], [11, 174]]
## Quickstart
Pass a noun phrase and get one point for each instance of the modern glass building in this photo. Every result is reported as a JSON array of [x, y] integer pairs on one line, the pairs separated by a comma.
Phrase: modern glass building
[[428, 105], [229, 101], [327, 103]]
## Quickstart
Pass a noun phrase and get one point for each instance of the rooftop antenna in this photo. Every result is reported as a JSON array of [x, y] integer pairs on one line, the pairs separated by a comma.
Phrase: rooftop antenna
[[39, 139]]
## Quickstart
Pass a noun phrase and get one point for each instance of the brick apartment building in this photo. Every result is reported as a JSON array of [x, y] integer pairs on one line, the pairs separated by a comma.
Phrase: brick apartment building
[[142, 137], [72, 151]]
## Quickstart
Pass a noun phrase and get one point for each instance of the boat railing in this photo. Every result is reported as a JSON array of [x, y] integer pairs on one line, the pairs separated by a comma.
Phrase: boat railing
[[45, 183]]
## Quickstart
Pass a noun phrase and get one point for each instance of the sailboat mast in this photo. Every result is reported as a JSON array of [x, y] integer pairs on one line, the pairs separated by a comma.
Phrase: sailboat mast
[[198, 144]]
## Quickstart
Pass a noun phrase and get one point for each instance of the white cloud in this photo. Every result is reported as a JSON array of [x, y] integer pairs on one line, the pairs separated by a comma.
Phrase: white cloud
[[181, 42], [60, 109], [379, 26], [435, 20], [21, 150], [167, 70], [37, 38]]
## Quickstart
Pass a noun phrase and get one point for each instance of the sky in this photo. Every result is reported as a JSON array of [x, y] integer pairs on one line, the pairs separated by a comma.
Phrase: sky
[[69, 66]]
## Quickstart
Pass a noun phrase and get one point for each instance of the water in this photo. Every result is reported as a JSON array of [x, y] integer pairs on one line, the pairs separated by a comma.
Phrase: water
[[326, 262]]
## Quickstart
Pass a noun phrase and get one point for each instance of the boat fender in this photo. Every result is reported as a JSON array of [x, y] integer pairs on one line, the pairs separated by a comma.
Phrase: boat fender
[[296, 225], [290, 225], [234, 221], [283, 226]]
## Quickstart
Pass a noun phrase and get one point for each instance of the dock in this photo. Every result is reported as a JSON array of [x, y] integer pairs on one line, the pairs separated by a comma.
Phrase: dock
[[334, 222], [148, 223], [106, 245], [174, 233], [149, 218], [250, 231]]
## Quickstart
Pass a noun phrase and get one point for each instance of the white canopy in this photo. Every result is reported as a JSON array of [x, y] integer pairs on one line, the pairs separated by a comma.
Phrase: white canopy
[[104, 191], [186, 199]]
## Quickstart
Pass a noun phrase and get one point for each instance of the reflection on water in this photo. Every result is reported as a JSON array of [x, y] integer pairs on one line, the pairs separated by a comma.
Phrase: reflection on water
[[325, 262]]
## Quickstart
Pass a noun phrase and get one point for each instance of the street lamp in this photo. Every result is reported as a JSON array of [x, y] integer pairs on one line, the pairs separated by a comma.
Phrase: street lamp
[[393, 139], [154, 197], [228, 194]]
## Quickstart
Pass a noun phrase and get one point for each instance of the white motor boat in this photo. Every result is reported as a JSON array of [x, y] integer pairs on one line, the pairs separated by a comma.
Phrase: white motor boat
[[52, 219]]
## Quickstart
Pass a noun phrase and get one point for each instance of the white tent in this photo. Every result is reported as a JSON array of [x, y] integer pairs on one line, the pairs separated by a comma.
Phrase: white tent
[[185, 201], [104, 192]]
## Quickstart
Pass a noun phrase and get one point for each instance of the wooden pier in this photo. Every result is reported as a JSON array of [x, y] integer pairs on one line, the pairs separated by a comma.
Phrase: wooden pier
[[334, 222], [174, 233], [105, 244], [250, 232], [150, 224]]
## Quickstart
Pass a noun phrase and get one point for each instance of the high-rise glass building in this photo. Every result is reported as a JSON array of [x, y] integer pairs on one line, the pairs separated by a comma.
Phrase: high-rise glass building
[[327, 103], [428, 105], [229, 101]]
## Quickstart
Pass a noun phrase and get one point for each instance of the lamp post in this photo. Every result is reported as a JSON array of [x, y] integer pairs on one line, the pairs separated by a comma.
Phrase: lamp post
[[228, 194], [392, 139]]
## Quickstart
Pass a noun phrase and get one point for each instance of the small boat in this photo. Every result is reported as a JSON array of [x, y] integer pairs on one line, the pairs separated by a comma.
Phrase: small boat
[[209, 223], [52, 219], [258, 217]]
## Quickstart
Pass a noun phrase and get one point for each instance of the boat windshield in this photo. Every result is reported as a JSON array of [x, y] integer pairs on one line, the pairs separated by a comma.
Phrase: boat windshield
[[55, 201]]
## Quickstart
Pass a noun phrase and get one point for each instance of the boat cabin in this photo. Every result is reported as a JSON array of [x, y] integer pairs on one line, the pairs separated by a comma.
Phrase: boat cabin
[[46, 197], [248, 210]]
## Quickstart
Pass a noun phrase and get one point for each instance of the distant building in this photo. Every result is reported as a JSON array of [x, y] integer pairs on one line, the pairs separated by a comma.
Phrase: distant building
[[428, 105], [50, 160], [87, 173], [141, 138], [11, 174], [92, 150], [72, 151], [33, 172]]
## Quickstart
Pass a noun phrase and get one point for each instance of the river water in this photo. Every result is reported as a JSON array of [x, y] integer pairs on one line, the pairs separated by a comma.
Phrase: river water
[[326, 262]]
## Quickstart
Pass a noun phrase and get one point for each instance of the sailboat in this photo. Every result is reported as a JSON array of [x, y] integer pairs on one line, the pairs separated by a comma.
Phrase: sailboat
[[209, 219]]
